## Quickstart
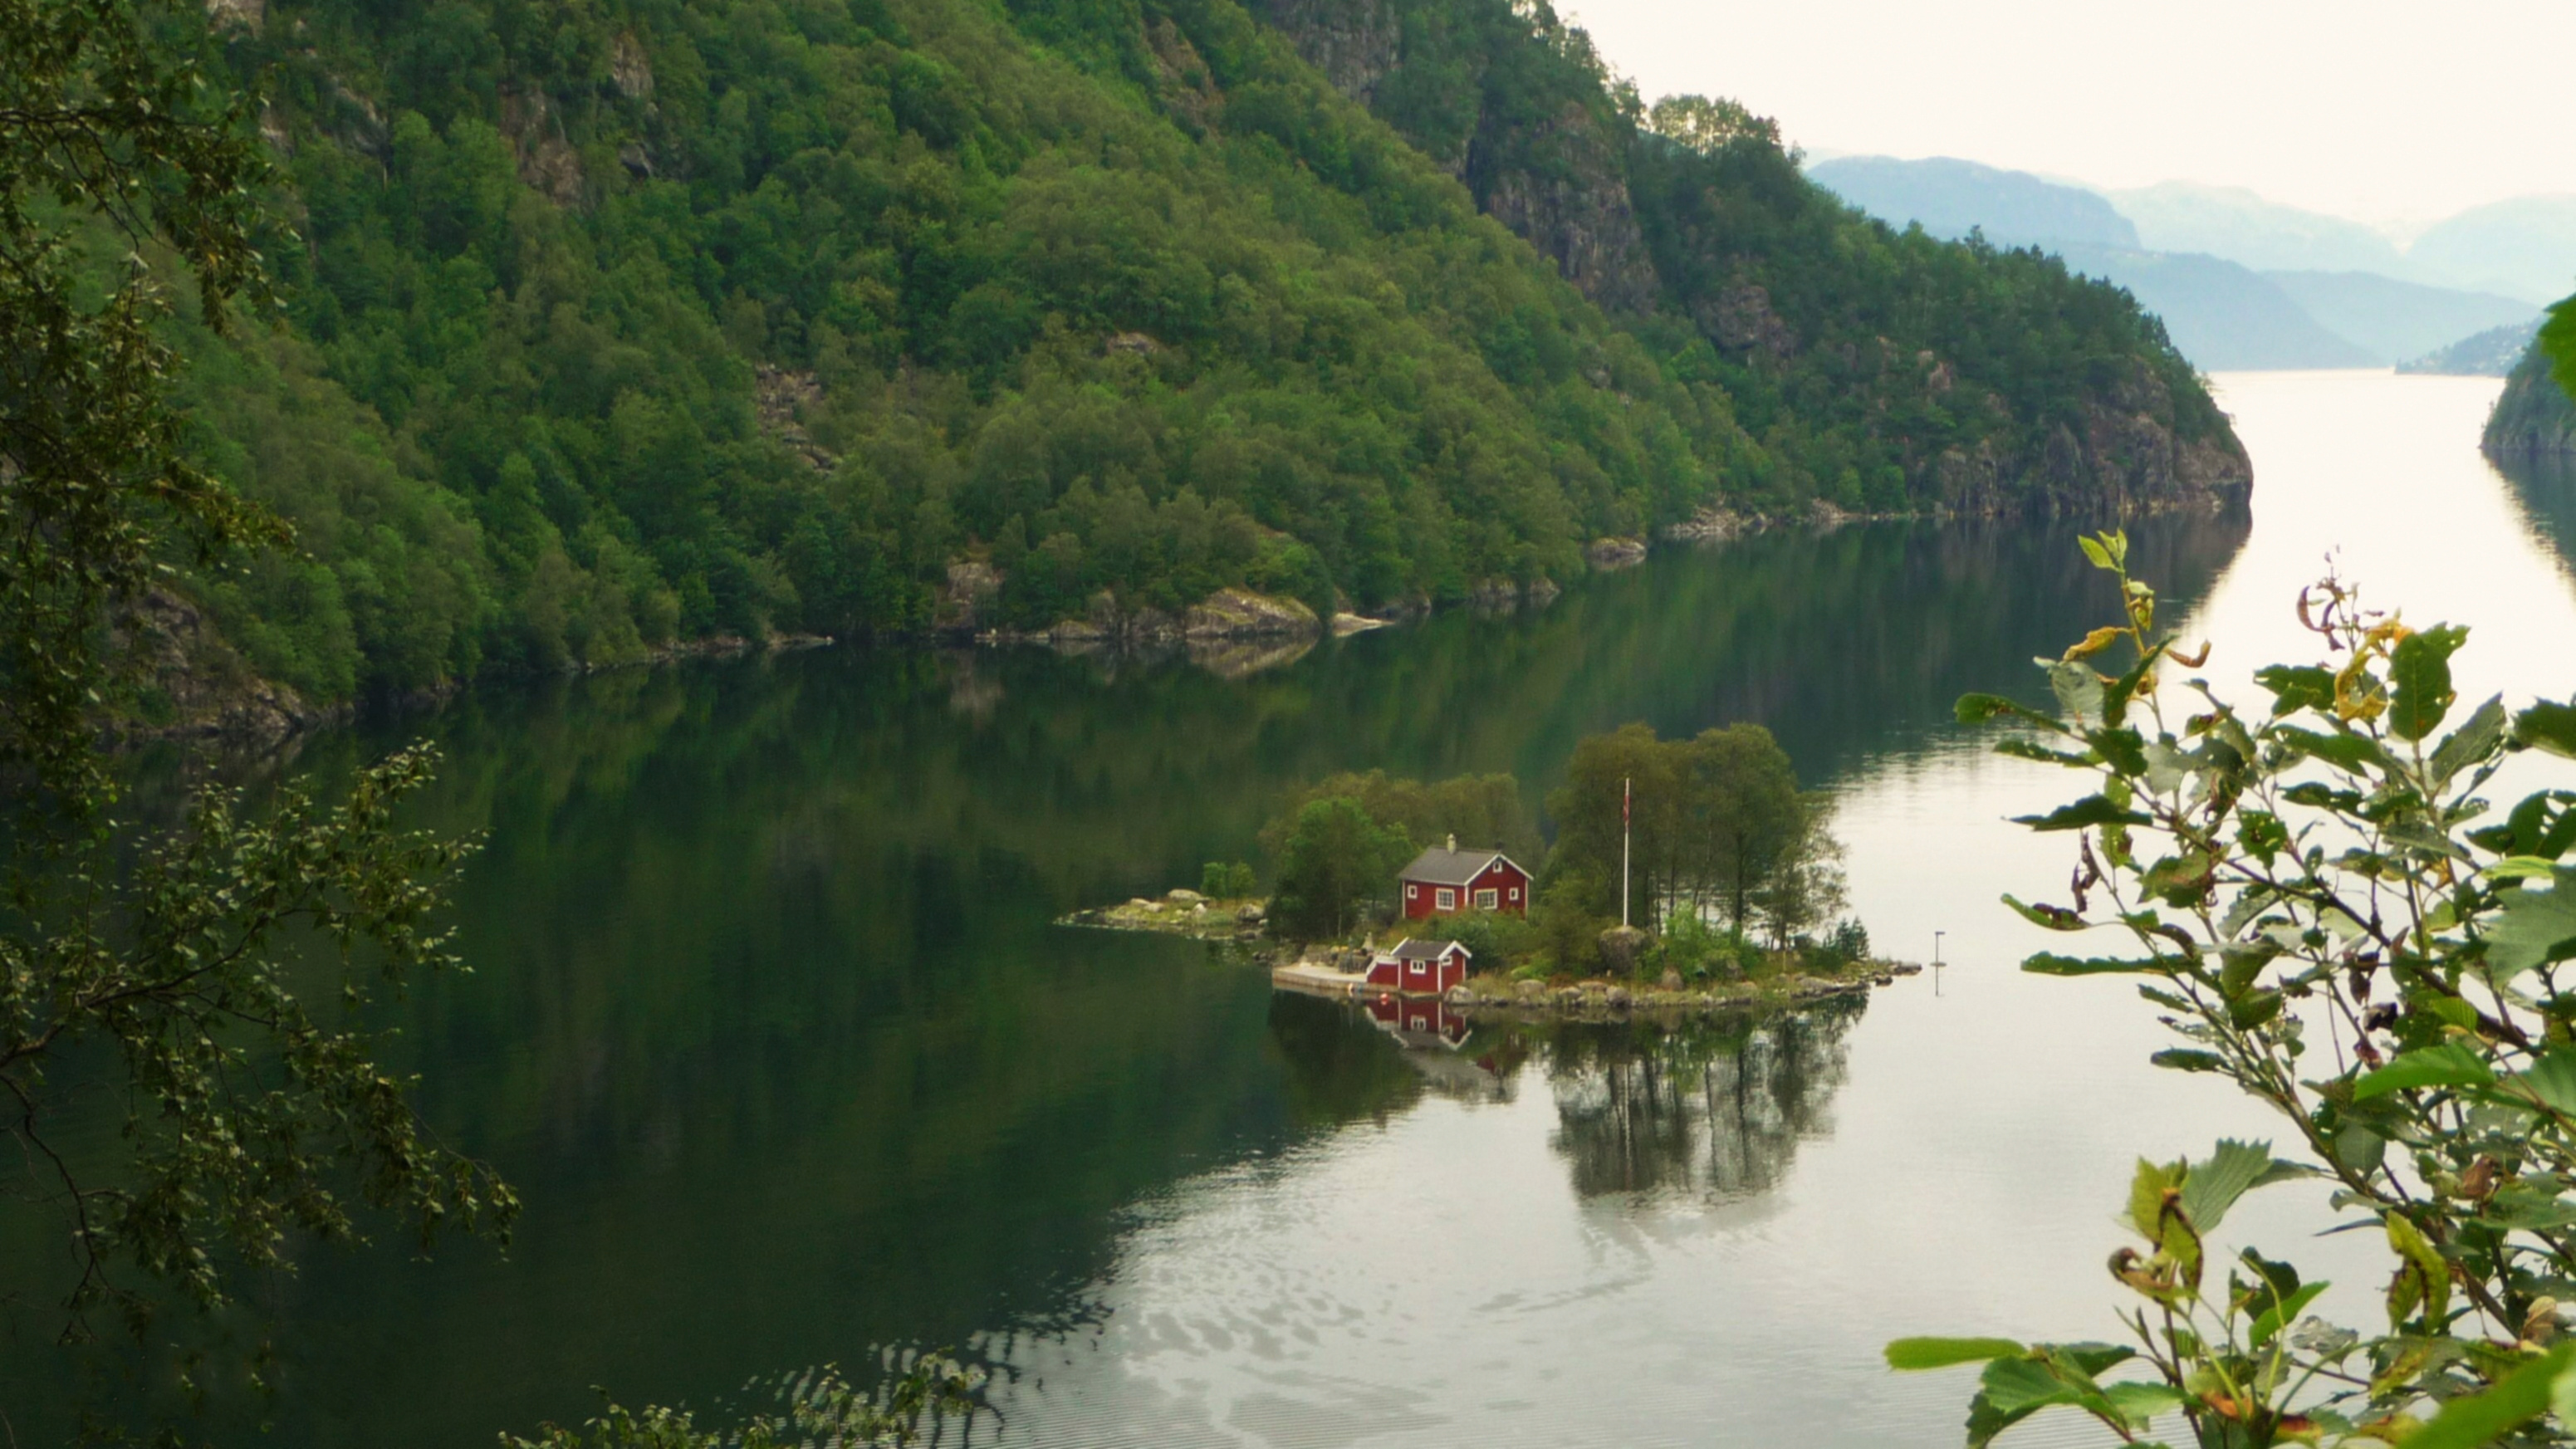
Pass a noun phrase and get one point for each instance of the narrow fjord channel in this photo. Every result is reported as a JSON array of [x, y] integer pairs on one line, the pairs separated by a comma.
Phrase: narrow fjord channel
[[769, 1024]]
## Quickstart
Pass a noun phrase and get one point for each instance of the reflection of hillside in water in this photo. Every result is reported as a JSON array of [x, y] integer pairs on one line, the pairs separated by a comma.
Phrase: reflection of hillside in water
[[1704, 1110], [2545, 485]]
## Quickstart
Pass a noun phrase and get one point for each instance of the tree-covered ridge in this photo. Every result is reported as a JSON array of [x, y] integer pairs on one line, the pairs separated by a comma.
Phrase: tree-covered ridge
[[725, 317], [611, 325], [1882, 370]]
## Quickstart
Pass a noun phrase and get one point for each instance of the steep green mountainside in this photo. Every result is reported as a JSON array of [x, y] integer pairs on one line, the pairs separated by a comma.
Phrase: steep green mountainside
[[611, 325], [2533, 415], [1912, 372]]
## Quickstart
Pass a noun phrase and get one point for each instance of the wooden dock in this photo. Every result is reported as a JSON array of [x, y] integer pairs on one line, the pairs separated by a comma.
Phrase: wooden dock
[[1317, 980]]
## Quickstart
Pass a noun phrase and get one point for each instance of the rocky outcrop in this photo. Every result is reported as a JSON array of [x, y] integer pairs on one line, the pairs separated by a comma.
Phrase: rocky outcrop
[[191, 684], [1353, 42], [1741, 319], [630, 68], [1561, 186], [1243, 614], [1559, 182], [782, 396], [546, 158], [1605, 554], [2122, 458], [965, 604], [2533, 416]]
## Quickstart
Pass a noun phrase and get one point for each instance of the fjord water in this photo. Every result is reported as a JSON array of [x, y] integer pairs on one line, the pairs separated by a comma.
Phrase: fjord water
[[769, 1023]]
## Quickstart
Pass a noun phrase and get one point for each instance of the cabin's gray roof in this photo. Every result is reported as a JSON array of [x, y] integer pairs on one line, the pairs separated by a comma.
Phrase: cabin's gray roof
[[1454, 867], [1428, 950]]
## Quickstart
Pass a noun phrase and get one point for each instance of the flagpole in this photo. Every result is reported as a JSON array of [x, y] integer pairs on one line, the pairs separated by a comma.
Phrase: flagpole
[[1625, 788]]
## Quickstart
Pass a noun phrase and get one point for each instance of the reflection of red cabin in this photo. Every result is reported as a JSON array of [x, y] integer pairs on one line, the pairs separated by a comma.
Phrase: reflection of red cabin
[[1418, 1022], [1419, 968], [1445, 882]]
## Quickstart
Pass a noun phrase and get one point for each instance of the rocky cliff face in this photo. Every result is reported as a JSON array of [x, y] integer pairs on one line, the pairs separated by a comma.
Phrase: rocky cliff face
[[2123, 458], [1353, 42], [1559, 183], [2533, 416], [1557, 178]]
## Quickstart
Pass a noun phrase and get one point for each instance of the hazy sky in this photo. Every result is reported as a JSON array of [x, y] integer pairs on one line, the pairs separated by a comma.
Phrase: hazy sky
[[2392, 114]]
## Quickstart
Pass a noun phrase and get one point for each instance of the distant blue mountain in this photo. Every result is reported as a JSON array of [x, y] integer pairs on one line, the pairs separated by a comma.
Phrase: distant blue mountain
[[2525, 248], [2339, 304], [1949, 197], [2397, 320], [2224, 317], [2231, 222]]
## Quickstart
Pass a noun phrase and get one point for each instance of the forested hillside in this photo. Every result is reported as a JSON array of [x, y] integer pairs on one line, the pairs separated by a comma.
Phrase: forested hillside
[[1896, 370], [606, 325]]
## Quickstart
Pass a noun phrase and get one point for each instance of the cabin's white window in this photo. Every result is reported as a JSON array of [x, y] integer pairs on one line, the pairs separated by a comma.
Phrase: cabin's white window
[[1413, 892], [1486, 900], [1448, 899], [1516, 893]]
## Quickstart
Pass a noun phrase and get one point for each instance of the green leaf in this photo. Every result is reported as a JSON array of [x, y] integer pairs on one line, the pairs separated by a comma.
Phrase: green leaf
[[2033, 750], [1932, 1353], [2297, 687], [1975, 709], [2477, 1419], [2517, 1206], [2186, 1059], [2231, 1171], [2078, 689], [2047, 964], [2139, 1400], [2360, 1149], [2055, 918], [2551, 1081], [2447, 1065], [2148, 1190], [2282, 1313], [2471, 742], [2121, 748], [2340, 747], [2420, 666], [2535, 926], [2090, 811], [2547, 726], [2423, 1278], [2012, 1389], [2115, 700], [2093, 550]]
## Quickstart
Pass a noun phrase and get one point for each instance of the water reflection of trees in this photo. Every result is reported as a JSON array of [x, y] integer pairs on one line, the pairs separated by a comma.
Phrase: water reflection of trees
[[2545, 485], [1713, 1108]]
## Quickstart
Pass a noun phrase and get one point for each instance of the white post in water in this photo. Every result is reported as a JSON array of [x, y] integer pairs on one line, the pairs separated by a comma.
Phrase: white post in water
[[1625, 790]]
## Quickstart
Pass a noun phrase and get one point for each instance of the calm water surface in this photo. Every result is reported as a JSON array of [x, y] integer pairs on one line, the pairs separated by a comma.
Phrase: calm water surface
[[771, 1029]]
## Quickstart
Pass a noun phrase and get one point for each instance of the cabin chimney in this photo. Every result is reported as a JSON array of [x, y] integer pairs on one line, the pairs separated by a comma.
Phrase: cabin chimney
[[1453, 840]]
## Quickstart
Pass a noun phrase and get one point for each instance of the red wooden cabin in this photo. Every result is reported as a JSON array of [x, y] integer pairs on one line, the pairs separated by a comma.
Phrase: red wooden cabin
[[1446, 881], [1419, 968]]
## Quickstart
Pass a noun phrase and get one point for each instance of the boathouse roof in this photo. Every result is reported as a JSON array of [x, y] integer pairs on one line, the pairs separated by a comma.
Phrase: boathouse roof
[[1412, 950], [1453, 866]]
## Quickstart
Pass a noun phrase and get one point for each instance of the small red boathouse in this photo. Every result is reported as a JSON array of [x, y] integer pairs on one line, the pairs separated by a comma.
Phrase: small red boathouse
[[1419, 968], [1446, 881]]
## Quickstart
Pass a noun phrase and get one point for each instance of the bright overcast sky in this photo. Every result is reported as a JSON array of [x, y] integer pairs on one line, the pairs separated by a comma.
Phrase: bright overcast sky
[[2387, 113]]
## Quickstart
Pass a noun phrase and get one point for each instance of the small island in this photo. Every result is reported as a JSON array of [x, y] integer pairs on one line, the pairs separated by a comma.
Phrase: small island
[[1686, 876]]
